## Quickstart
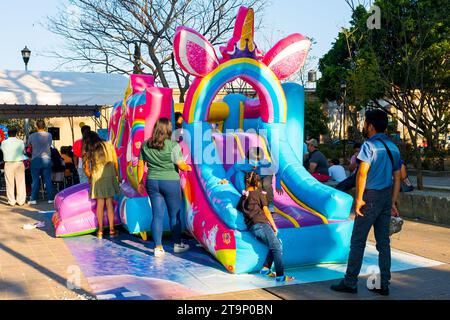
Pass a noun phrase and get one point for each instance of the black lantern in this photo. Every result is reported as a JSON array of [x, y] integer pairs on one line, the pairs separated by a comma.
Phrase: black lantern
[[312, 76], [26, 53]]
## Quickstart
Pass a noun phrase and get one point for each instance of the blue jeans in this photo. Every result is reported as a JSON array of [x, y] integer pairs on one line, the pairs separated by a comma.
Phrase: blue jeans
[[264, 233], [41, 167], [377, 213], [162, 194], [82, 175]]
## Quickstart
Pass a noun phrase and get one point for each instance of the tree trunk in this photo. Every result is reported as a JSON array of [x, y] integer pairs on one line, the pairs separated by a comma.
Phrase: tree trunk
[[418, 155], [419, 175], [182, 95], [71, 129], [340, 125]]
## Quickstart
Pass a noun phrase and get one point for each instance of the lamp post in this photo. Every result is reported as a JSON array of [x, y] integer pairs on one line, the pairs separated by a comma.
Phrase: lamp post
[[26, 53], [312, 79], [312, 76], [344, 89]]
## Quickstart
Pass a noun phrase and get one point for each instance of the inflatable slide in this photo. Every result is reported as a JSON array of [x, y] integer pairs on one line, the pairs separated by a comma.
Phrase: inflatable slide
[[313, 218]]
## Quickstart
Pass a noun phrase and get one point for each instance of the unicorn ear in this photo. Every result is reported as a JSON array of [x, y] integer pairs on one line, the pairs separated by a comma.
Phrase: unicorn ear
[[288, 55], [194, 53]]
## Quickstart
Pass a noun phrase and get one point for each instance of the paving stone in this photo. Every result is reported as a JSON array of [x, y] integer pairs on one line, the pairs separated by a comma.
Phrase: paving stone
[[33, 263]]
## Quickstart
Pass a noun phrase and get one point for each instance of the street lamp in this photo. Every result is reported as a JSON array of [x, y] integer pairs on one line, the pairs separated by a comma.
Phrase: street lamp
[[312, 76], [344, 89], [26, 53], [312, 79]]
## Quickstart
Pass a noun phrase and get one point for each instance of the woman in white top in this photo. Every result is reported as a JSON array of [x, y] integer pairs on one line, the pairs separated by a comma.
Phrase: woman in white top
[[336, 171]]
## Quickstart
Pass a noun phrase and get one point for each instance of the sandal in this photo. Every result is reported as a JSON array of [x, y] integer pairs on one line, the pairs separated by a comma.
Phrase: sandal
[[112, 233], [99, 234]]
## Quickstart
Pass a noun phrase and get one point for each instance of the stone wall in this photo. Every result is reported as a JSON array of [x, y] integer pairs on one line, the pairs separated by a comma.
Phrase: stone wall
[[429, 206], [426, 206]]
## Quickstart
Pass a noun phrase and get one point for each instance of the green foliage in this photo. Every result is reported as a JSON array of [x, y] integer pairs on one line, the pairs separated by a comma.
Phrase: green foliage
[[331, 151], [333, 67], [406, 63], [407, 152], [364, 81], [434, 159], [18, 124], [315, 120]]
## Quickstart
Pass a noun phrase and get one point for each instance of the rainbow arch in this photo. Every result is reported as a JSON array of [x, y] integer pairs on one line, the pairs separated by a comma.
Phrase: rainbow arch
[[264, 81]]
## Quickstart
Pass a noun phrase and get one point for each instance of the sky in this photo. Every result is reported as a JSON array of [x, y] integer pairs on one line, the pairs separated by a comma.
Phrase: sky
[[23, 23]]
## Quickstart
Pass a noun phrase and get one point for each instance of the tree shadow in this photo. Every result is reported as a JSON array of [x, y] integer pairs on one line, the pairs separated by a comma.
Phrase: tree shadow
[[12, 287], [41, 269], [195, 254]]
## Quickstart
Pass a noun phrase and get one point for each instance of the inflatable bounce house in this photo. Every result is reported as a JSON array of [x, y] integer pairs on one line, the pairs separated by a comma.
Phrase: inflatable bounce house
[[313, 219], [131, 123]]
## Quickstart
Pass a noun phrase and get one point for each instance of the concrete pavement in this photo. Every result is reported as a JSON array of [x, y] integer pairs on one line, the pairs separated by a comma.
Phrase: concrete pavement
[[426, 240], [33, 263], [36, 265]]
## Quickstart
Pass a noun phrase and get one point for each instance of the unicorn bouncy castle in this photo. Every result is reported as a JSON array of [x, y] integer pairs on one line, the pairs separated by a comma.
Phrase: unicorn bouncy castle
[[313, 219]]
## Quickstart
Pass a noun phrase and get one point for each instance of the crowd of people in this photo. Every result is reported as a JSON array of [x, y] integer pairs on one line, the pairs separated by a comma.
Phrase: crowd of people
[[333, 171], [375, 169], [30, 163]]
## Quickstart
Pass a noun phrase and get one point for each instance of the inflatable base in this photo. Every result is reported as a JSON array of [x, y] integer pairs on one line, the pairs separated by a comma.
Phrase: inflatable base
[[76, 213], [136, 214]]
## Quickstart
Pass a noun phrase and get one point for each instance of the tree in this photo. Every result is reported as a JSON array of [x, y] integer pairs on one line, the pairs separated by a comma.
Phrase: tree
[[315, 120], [126, 35], [413, 51], [19, 125], [404, 64]]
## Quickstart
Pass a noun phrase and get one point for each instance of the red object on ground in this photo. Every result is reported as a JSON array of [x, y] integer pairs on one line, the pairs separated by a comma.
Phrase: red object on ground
[[321, 177], [77, 146]]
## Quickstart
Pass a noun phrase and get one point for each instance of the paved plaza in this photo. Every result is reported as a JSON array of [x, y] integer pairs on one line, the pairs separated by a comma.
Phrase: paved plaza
[[36, 265]]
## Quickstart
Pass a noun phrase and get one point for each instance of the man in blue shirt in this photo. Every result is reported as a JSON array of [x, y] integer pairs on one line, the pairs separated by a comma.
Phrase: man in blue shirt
[[41, 162], [376, 197]]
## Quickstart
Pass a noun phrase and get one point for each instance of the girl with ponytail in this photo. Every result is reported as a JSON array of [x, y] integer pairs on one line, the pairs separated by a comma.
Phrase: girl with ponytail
[[259, 221]]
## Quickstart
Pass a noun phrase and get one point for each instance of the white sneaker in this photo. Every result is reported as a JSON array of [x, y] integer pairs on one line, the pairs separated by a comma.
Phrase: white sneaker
[[32, 202], [158, 252], [179, 248], [50, 201]]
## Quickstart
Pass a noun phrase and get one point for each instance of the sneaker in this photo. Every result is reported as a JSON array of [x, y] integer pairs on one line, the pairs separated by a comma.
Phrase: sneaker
[[384, 291], [159, 252], [342, 287], [50, 201], [32, 202], [267, 272], [284, 278], [179, 248]]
